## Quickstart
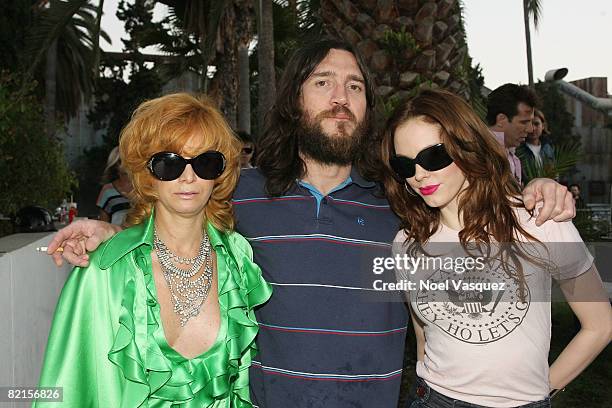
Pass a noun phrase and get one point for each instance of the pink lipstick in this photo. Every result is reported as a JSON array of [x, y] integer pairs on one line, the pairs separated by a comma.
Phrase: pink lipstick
[[429, 190]]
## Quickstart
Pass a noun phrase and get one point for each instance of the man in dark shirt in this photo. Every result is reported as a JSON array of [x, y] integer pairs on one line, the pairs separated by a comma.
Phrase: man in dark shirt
[[315, 224]]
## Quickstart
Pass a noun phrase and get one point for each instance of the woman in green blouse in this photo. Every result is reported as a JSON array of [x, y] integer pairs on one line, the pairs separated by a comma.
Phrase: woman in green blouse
[[163, 315]]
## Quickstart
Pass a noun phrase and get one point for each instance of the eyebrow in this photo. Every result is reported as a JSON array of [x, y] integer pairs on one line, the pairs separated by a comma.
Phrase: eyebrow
[[351, 77]]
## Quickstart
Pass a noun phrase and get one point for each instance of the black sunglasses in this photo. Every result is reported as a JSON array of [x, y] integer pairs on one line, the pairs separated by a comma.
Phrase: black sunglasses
[[247, 150], [168, 166], [431, 159]]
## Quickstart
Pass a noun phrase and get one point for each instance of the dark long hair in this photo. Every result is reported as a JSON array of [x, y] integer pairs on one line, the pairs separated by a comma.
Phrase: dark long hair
[[278, 157], [488, 202]]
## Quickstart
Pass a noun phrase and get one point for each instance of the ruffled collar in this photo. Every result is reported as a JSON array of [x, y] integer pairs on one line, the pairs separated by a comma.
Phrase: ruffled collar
[[141, 234], [221, 373]]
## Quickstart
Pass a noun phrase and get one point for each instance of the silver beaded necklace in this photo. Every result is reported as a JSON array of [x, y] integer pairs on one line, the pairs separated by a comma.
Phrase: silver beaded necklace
[[188, 294]]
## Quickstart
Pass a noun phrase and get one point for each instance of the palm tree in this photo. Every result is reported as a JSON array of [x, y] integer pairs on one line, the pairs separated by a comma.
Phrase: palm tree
[[235, 32], [65, 38], [407, 44], [532, 9], [245, 33], [265, 54]]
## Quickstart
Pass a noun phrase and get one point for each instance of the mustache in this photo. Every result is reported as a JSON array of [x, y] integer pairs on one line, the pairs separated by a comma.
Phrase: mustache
[[338, 109]]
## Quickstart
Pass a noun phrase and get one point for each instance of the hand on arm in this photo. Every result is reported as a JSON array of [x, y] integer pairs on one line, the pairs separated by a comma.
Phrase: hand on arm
[[589, 302], [78, 238], [557, 202]]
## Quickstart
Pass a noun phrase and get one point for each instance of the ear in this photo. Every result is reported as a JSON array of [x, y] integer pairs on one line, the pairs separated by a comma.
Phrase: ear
[[501, 120]]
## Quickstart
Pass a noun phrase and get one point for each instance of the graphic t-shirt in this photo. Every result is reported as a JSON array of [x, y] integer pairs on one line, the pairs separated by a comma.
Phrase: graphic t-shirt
[[486, 341]]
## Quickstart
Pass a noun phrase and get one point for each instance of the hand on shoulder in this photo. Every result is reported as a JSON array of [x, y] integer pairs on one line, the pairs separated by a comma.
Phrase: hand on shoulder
[[79, 238]]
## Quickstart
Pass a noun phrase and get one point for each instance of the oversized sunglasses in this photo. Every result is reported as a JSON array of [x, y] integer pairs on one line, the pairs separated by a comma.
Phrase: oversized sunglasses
[[431, 159], [168, 166]]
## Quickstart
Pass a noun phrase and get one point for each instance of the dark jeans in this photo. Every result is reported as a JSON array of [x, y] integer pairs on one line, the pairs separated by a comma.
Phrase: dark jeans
[[426, 397]]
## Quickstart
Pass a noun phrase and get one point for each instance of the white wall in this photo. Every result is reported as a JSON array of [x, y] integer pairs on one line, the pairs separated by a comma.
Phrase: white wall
[[30, 284]]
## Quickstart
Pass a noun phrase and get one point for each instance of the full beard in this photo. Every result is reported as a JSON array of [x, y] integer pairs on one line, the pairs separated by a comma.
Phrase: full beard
[[340, 148]]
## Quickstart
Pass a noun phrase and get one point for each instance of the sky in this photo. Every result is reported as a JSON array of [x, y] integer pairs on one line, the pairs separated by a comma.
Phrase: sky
[[576, 35]]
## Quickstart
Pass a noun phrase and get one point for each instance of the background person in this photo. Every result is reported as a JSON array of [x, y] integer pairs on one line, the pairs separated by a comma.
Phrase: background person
[[488, 348], [248, 150], [537, 152], [113, 198], [163, 315], [510, 110], [575, 190]]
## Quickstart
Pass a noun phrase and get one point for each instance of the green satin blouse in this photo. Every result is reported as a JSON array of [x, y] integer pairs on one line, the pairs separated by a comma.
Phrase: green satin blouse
[[107, 347]]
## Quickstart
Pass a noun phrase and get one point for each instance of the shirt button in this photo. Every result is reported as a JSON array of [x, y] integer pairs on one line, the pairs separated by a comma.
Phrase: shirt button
[[151, 302]]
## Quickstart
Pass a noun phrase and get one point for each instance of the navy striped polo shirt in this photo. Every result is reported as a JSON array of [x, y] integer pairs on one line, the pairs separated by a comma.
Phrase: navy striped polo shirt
[[322, 342]]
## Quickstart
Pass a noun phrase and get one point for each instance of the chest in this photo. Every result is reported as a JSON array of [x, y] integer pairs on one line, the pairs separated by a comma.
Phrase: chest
[[200, 331]]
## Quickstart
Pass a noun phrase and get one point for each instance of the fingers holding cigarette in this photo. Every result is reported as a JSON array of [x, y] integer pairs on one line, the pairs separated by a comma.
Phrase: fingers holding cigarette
[[45, 249]]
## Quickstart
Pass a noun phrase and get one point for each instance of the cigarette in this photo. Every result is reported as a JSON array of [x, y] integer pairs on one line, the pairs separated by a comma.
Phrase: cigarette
[[44, 249]]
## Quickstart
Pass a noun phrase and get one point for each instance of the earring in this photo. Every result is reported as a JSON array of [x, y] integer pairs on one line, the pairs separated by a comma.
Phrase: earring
[[409, 190]]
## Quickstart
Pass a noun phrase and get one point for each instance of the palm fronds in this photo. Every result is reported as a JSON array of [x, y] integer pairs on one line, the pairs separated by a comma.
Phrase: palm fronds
[[566, 156], [74, 25]]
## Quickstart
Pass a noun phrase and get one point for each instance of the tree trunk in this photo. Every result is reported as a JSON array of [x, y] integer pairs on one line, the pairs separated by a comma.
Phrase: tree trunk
[[234, 33], [96, 39], [244, 90], [265, 50], [528, 42], [50, 88], [293, 9]]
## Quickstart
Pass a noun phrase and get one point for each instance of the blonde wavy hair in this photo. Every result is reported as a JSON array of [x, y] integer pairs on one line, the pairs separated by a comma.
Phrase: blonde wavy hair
[[167, 124]]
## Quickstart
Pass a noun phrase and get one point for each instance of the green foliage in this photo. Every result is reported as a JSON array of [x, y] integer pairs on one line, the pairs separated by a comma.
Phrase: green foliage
[[116, 99], [566, 156], [290, 32], [73, 25], [591, 227], [386, 106], [396, 42], [475, 81], [554, 107], [32, 165], [15, 16]]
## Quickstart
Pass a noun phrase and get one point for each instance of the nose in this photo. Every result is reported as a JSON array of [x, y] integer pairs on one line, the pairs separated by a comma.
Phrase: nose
[[188, 175], [420, 173], [530, 127], [340, 95]]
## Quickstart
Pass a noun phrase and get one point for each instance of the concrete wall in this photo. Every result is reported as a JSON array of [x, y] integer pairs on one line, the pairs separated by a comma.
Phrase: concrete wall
[[29, 289]]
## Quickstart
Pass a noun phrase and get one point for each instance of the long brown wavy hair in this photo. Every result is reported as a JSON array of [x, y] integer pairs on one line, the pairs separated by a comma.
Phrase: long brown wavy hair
[[487, 205], [278, 155], [166, 124]]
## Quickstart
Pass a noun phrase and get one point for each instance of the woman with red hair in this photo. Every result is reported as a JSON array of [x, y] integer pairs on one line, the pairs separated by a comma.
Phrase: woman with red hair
[[163, 315]]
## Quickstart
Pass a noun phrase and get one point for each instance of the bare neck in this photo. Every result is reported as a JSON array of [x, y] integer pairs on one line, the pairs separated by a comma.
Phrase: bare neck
[[449, 213], [181, 234], [325, 177]]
